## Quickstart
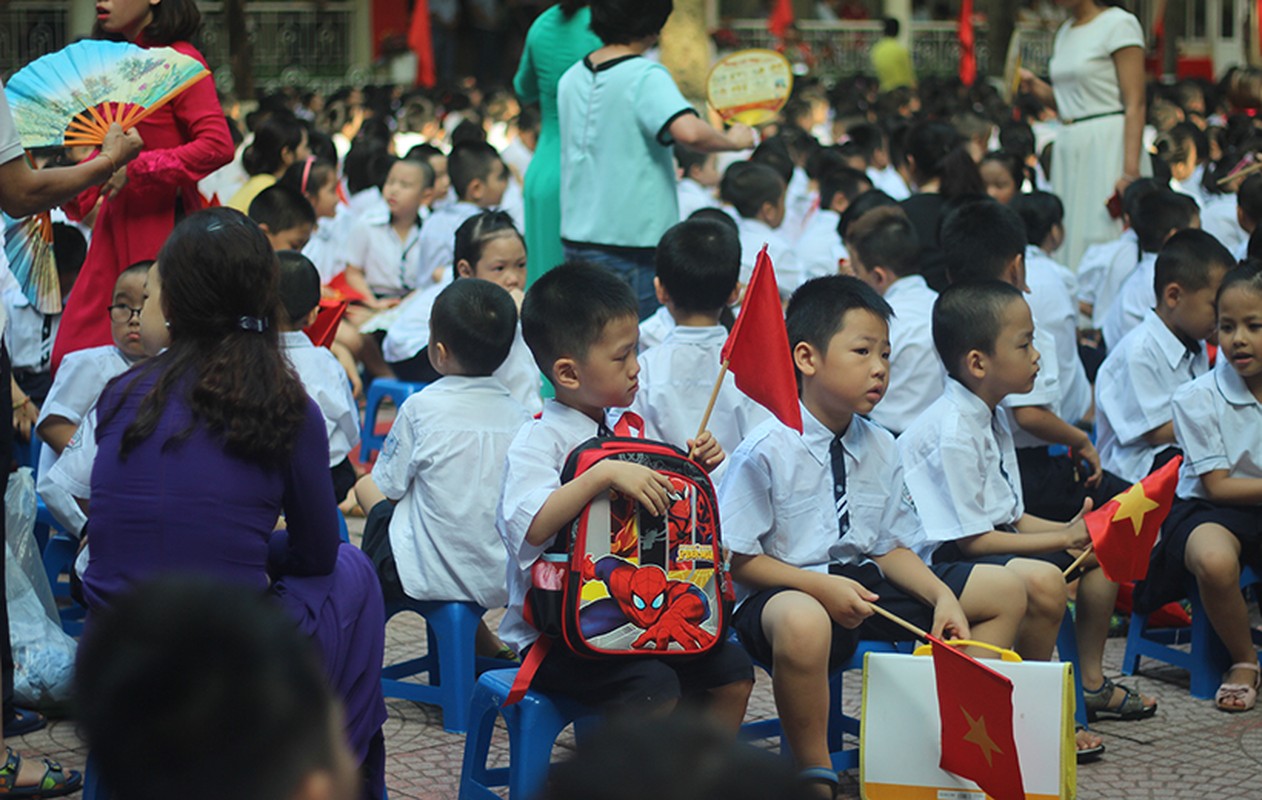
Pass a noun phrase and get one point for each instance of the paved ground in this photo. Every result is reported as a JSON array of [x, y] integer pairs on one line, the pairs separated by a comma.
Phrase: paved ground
[[1189, 750]]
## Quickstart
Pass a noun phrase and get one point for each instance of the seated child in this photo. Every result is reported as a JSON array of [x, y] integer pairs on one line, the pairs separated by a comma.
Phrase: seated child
[[1104, 267], [318, 369], [1248, 212], [873, 142], [487, 246], [884, 252], [31, 332], [581, 323], [430, 537], [1134, 418], [820, 524], [964, 477], [316, 180], [383, 257], [285, 216], [697, 266], [698, 180], [1215, 525], [757, 192], [819, 249], [479, 178]]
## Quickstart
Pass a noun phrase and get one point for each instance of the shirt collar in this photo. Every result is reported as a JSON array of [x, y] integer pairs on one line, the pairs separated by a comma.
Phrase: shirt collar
[[292, 340], [1233, 387], [970, 405], [1172, 347], [909, 283], [691, 334], [819, 439], [568, 419]]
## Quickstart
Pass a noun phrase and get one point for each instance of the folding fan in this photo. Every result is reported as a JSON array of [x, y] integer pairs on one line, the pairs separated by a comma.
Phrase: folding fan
[[72, 96], [28, 244]]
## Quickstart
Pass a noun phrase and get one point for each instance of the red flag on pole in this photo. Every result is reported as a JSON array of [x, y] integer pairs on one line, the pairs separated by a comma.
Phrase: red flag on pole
[[975, 705], [968, 45], [422, 43], [1124, 529], [324, 329], [757, 350], [781, 18]]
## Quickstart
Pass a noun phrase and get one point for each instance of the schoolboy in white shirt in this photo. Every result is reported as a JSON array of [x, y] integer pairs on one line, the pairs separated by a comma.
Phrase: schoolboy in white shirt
[[757, 193], [318, 369], [820, 524], [1134, 416], [479, 178], [883, 254], [698, 262], [443, 460], [698, 181], [819, 249], [29, 332], [873, 143], [383, 257]]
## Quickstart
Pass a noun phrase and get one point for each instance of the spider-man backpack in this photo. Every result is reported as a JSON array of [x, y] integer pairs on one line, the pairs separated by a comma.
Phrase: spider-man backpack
[[620, 582]]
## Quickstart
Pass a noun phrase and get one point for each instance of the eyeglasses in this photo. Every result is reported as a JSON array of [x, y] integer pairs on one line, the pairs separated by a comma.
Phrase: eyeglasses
[[124, 313]]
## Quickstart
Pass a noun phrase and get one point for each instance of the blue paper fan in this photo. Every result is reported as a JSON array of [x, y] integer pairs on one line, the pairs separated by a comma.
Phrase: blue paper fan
[[72, 96], [28, 244]]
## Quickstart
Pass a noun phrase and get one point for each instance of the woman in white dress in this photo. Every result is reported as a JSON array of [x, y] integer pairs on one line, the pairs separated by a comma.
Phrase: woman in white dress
[[1097, 88]]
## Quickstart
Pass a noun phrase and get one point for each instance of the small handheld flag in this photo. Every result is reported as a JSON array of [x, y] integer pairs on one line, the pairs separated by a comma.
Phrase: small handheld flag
[[1124, 530]]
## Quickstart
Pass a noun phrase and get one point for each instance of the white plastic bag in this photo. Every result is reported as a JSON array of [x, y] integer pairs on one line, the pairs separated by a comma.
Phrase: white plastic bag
[[43, 655]]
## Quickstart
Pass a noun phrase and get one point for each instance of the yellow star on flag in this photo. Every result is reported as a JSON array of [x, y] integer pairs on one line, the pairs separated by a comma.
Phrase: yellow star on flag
[[977, 735], [1133, 504]]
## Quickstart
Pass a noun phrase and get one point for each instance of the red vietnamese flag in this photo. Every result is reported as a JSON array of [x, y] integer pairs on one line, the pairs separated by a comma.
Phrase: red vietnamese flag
[[757, 350], [421, 42], [781, 18], [968, 44], [324, 329], [975, 706], [1124, 529]]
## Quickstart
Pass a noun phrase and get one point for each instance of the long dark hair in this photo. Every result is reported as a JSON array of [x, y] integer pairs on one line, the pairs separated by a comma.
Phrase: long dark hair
[[570, 7], [939, 151], [278, 131], [219, 288]]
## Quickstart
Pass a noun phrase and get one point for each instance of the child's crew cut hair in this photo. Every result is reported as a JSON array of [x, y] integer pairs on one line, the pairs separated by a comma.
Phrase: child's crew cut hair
[[299, 285], [885, 237], [1189, 259], [699, 263], [689, 159], [1158, 213], [717, 215], [861, 205], [477, 322], [626, 21], [476, 231], [141, 267], [748, 186], [969, 316], [980, 239], [846, 181], [308, 176], [469, 161], [281, 208], [818, 308], [1040, 212], [1247, 275], [427, 170], [566, 310]]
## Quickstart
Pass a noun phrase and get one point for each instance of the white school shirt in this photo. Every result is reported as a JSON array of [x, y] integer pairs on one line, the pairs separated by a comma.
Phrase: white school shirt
[[79, 382], [1102, 271], [819, 248], [917, 376], [654, 328], [1218, 217], [1052, 305], [1133, 391], [693, 197], [1135, 299], [326, 383], [443, 463], [1046, 393], [1241, 251], [392, 266], [777, 498], [532, 473], [327, 246], [1216, 423], [961, 467], [754, 233], [29, 333], [438, 239], [367, 201], [676, 379], [889, 181], [70, 477], [798, 202]]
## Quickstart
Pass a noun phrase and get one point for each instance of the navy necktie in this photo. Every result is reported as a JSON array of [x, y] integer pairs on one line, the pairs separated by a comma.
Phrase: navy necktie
[[839, 486]]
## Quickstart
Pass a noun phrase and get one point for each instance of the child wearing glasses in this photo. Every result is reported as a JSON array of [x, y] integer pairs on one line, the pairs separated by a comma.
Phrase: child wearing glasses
[[84, 373]]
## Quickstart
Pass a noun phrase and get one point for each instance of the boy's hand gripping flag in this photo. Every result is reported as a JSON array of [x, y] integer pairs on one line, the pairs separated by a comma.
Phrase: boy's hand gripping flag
[[1124, 529], [757, 350], [975, 706]]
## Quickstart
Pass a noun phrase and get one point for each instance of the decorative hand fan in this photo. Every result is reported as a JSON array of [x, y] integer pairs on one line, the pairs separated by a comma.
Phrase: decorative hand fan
[[72, 96], [750, 86], [28, 244]]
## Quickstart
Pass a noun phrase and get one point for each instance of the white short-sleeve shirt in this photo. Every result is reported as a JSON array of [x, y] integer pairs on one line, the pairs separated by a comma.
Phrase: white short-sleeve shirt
[[1135, 299], [1046, 393], [1216, 423], [754, 233], [438, 240], [654, 328], [693, 197], [443, 463], [778, 497], [70, 477], [79, 382], [1052, 306], [819, 249], [391, 265], [1101, 273], [917, 376], [961, 467], [1134, 388], [326, 383], [1084, 77], [30, 333]]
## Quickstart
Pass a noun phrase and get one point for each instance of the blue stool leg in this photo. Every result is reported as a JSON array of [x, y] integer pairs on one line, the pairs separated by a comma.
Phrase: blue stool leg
[[531, 736], [456, 627], [1134, 643], [1067, 646], [474, 775], [93, 789], [1207, 652]]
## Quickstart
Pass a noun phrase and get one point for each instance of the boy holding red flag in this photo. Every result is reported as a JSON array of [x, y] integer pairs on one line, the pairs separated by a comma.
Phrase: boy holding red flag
[[820, 524]]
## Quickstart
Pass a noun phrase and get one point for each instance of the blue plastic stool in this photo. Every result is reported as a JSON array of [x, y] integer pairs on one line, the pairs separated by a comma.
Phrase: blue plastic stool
[[379, 390], [839, 723], [533, 725], [1205, 661], [1067, 651], [450, 660]]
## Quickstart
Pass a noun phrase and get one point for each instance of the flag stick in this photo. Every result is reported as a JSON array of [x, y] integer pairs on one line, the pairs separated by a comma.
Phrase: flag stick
[[1077, 562], [714, 395], [897, 620]]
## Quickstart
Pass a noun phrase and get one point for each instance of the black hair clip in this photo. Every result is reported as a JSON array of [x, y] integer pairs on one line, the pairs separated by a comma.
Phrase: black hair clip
[[256, 324]]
